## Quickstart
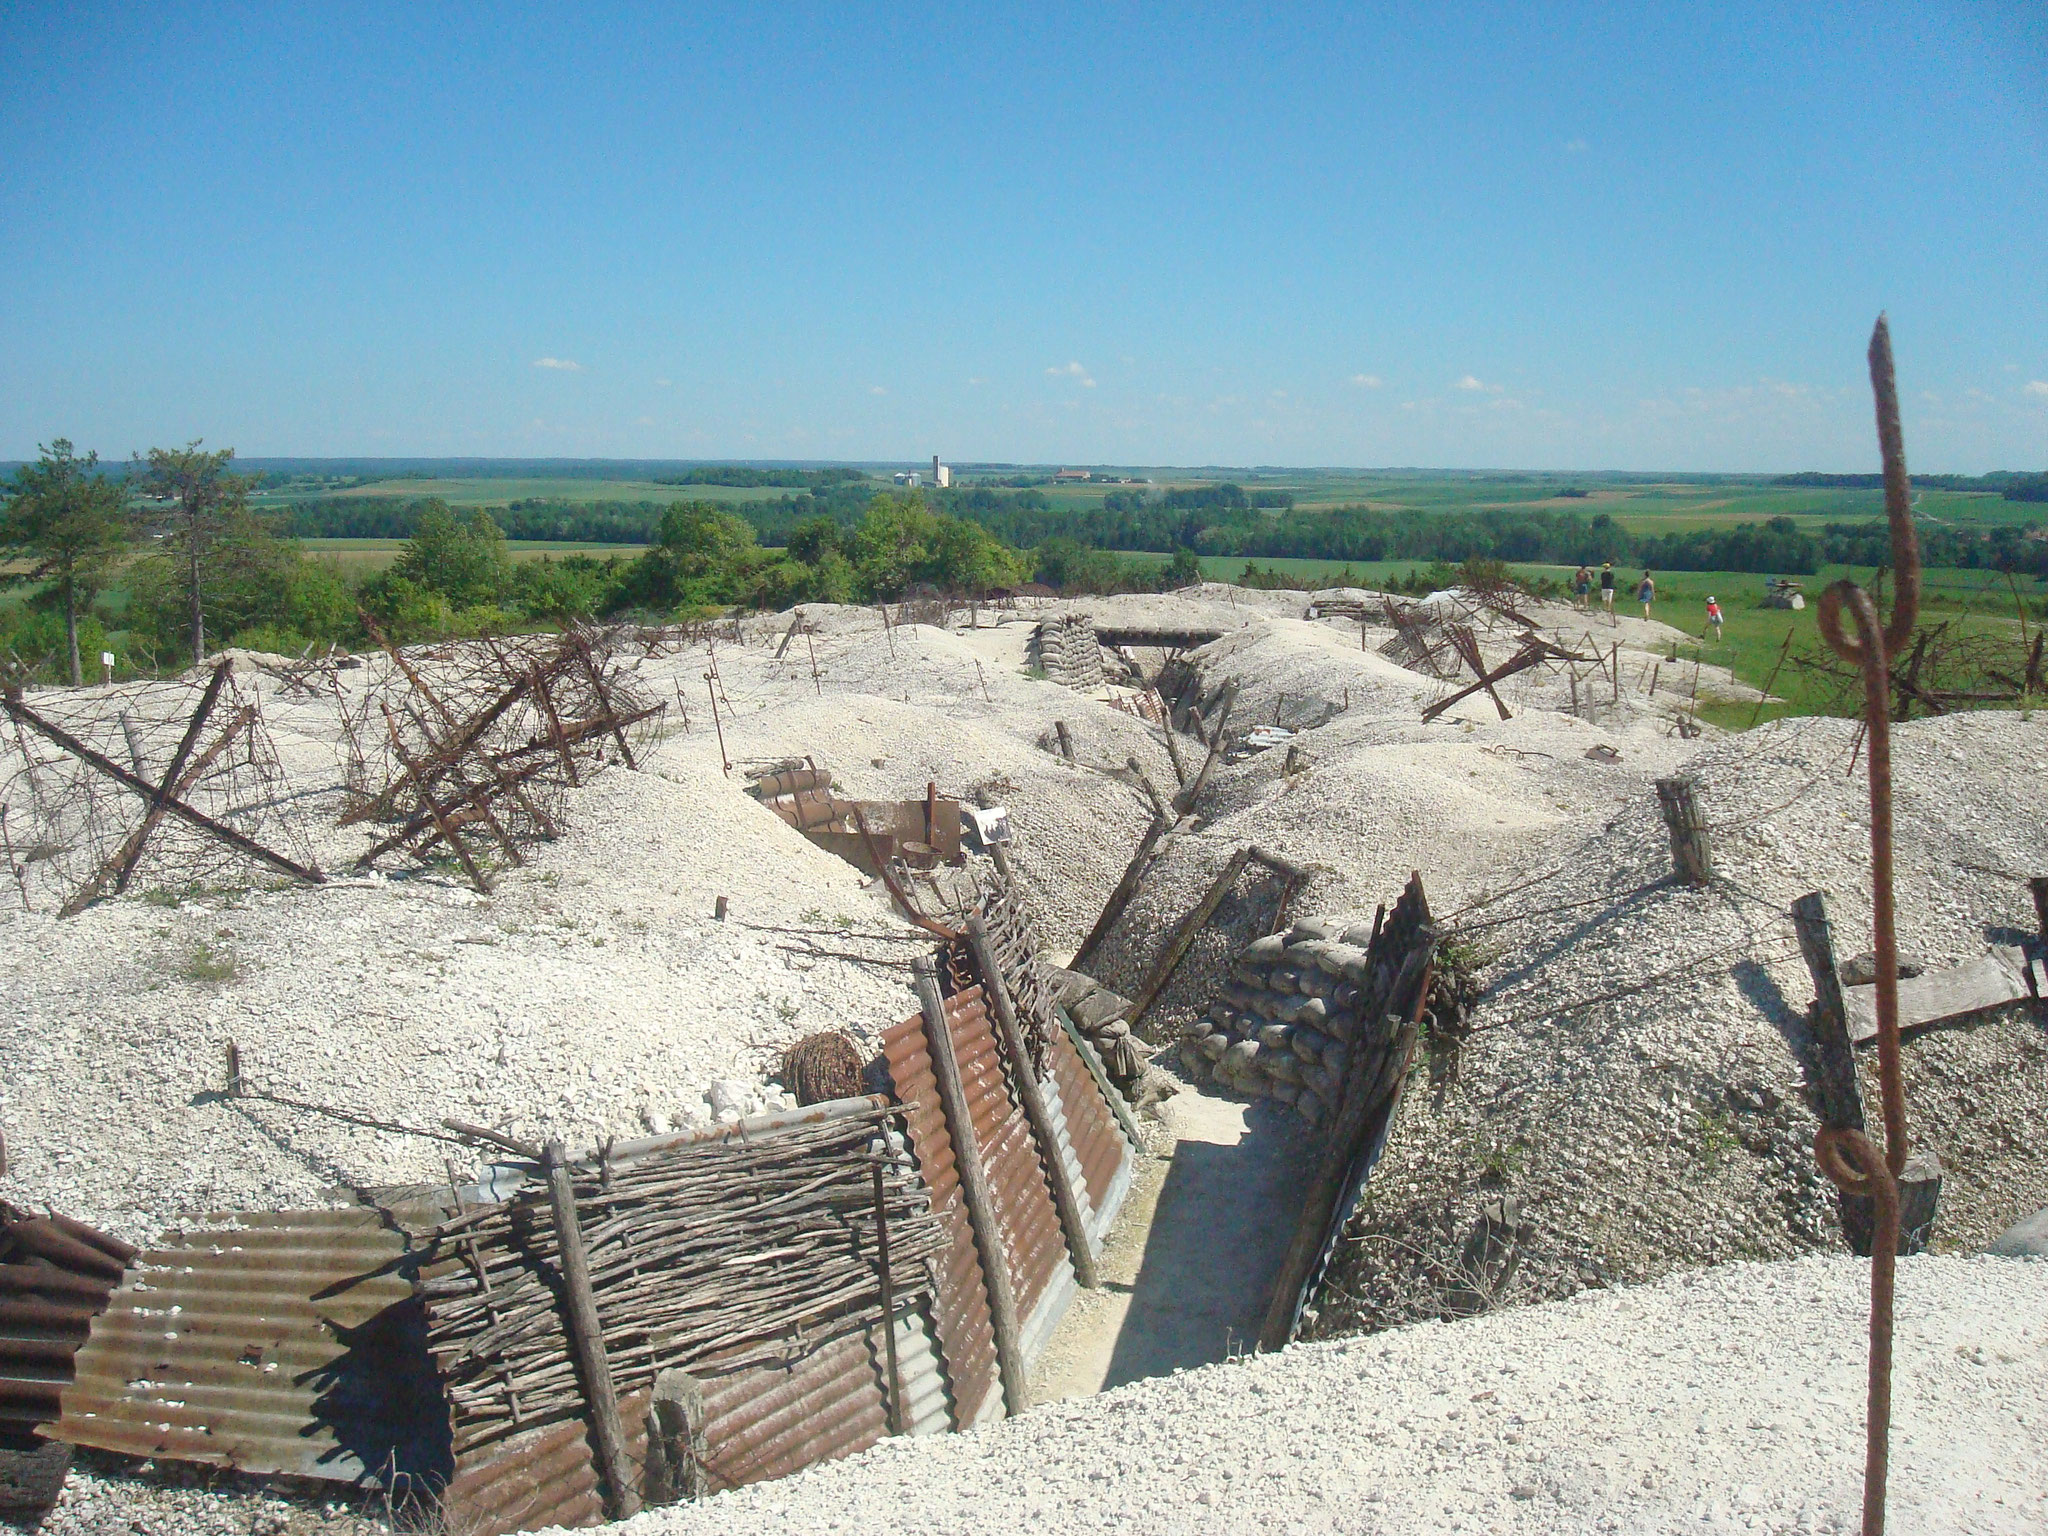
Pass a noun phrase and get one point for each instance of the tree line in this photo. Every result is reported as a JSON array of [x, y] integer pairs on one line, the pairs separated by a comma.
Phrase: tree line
[[172, 555]]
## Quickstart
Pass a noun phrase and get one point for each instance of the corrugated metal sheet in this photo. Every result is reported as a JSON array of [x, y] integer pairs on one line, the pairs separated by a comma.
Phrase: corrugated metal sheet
[[279, 1342], [761, 1422], [1104, 1152], [966, 1337], [55, 1276], [1033, 1245]]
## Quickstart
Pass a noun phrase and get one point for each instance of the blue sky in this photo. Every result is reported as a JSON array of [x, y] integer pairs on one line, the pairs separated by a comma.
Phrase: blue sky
[[1547, 236]]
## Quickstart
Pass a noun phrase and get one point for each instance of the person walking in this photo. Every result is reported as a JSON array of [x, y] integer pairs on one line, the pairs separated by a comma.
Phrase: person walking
[[1607, 589], [1583, 585], [1714, 619], [1646, 593]]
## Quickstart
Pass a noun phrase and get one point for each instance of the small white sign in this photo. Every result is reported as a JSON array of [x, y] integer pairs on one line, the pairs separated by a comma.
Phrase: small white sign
[[106, 658]]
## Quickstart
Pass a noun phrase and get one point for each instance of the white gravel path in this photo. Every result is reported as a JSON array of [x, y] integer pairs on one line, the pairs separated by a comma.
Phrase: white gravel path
[[1723, 1400]]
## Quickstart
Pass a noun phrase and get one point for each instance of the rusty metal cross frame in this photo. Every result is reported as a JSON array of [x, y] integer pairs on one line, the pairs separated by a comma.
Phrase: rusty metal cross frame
[[165, 798]]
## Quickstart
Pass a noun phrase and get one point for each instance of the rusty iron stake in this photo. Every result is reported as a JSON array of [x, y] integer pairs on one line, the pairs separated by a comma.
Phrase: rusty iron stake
[[1844, 1154], [712, 689]]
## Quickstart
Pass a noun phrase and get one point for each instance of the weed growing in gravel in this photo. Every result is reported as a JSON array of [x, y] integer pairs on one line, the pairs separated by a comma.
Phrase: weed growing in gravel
[[209, 966], [1717, 1139], [786, 1011], [1500, 1162]]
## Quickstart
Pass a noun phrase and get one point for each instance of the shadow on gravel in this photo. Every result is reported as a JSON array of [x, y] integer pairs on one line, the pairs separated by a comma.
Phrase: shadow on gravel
[[1229, 1204]]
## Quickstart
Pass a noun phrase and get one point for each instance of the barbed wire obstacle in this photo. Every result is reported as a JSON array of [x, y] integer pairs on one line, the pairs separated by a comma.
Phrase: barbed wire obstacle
[[1941, 668], [467, 750], [170, 784]]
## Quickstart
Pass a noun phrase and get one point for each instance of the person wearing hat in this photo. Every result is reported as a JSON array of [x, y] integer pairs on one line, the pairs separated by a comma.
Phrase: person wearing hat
[[1714, 618], [1607, 588]]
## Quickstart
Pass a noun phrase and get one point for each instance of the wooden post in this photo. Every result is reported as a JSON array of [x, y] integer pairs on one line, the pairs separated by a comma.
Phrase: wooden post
[[1066, 741], [1032, 1094], [1177, 946], [719, 908], [894, 1417], [586, 1338], [1159, 810], [1841, 1099], [1120, 898], [1180, 770], [974, 1188], [1691, 853], [1185, 800], [1614, 670]]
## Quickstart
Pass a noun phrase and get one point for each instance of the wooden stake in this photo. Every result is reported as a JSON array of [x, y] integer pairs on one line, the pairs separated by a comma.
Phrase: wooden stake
[[586, 1337], [1841, 1099], [1691, 854], [1185, 800], [1119, 898], [895, 1413], [1066, 741], [1031, 1093], [974, 1188]]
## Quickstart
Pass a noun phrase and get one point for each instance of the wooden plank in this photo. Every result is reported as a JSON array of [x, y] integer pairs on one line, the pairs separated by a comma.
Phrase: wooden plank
[[1997, 979]]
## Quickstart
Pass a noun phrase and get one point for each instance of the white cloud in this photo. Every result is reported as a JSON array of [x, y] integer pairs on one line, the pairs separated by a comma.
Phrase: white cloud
[[1072, 371], [643, 421], [1469, 382], [2038, 388], [876, 389], [1367, 380], [562, 364], [664, 383]]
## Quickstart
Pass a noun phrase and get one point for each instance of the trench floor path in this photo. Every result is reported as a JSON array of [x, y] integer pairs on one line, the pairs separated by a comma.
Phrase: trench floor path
[[1189, 1265]]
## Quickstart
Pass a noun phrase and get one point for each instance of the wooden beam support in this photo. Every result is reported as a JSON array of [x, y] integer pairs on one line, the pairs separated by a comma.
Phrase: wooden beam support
[[1120, 897], [1032, 1095], [1177, 946], [1185, 800], [975, 1192], [586, 1338]]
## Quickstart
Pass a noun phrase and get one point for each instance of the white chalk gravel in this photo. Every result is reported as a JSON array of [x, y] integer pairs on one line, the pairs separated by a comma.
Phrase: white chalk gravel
[[1728, 1399]]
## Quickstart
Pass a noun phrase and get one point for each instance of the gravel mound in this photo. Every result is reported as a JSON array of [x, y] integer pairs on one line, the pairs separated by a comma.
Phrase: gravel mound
[[1724, 1400], [1636, 1076]]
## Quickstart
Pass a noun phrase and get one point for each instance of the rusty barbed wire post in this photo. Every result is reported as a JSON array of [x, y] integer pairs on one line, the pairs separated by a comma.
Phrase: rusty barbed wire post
[[1846, 1156]]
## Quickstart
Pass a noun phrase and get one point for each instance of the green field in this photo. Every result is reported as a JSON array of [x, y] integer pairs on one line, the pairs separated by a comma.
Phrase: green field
[[361, 556], [1753, 636], [501, 492]]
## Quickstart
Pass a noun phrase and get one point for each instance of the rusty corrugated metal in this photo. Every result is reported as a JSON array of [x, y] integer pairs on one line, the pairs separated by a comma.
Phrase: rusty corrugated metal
[[1099, 1143], [277, 1342], [55, 1277], [966, 1337], [761, 1422], [1033, 1245]]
